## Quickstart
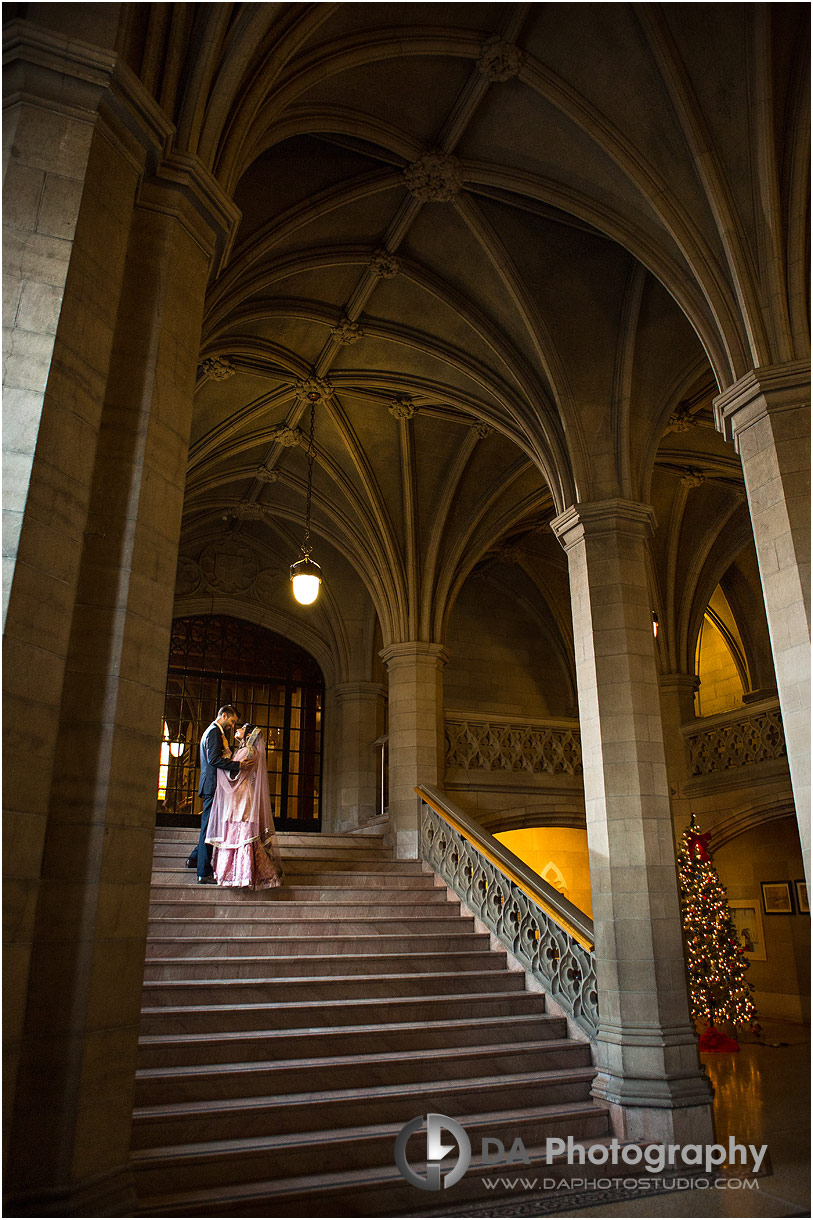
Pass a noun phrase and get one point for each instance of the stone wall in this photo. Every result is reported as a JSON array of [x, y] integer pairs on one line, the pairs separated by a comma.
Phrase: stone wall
[[500, 660]]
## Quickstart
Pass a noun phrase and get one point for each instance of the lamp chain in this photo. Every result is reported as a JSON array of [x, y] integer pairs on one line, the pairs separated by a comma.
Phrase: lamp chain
[[311, 455]]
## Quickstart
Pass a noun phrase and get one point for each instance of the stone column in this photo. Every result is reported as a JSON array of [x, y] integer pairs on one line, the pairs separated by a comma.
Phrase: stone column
[[677, 693], [415, 707], [649, 1071], [359, 761], [52, 427], [51, 92], [767, 416], [70, 1125]]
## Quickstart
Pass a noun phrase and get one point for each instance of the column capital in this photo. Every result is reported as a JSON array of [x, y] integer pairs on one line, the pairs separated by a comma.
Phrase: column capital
[[617, 516], [760, 393], [42, 66], [395, 655], [679, 681], [94, 86], [182, 187], [359, 690]]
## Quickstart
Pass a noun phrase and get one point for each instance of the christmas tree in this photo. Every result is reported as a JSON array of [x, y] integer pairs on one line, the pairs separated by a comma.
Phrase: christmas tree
[[719, 991]]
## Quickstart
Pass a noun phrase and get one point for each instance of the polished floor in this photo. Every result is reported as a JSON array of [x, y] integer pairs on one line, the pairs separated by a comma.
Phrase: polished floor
[[762, 1096]]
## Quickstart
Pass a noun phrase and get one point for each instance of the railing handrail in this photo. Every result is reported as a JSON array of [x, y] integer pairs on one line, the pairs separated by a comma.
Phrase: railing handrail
[[559, 908]]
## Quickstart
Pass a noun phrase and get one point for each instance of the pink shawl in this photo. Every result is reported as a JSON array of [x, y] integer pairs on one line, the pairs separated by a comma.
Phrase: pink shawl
[[245, 798]]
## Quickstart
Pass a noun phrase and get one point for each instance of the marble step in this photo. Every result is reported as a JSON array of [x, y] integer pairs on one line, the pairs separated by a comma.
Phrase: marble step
[[212, 903], [361, 882], [372, 1191], [416, 925], [277, 966], [314, 989], [283, 896], [341, 850], [213, 1019], [285, 838], [230, 944], [257, 1117], [236, 1046], [220, 1162], [360, 862], [267, 1078]]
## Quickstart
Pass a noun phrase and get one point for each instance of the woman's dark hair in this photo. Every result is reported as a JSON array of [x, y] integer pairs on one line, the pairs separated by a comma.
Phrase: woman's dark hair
[[248, 728]]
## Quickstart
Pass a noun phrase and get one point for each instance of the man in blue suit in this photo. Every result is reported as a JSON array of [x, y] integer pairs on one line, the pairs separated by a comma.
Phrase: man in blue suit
[[215, 754]]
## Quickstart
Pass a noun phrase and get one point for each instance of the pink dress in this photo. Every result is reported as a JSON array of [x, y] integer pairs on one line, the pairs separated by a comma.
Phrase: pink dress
[[241, 825]]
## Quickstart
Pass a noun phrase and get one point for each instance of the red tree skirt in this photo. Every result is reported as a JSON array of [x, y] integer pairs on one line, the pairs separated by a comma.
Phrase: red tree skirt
[[714, 1040]]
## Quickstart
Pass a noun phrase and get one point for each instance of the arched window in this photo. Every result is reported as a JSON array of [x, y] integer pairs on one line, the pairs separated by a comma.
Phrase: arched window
[[273, 683]]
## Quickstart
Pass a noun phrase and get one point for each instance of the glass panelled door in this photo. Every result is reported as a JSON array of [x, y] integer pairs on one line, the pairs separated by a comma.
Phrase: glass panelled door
[[215, 660]]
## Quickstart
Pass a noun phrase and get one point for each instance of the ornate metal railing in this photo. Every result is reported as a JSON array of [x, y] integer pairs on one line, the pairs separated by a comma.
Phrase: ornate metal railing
[[549, 936], [490, 745], [736, 741]]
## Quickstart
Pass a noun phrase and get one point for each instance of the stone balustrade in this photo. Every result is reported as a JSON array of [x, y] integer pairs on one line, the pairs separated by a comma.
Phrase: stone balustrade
[[534, 746], [719, 743], [735, 739], [549, 937]]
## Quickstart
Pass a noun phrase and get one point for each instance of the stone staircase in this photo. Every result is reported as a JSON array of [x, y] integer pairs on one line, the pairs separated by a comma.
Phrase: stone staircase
[[288, 1035]]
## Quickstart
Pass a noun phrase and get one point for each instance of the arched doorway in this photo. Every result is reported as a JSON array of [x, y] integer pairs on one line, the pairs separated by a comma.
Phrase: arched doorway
[[214, 660]]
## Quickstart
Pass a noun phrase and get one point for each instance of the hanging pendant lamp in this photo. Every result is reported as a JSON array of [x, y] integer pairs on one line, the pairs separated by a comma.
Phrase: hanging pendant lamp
[[306, 575]]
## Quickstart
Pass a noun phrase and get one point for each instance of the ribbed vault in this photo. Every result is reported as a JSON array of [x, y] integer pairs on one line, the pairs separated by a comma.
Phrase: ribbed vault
[[497, 271]]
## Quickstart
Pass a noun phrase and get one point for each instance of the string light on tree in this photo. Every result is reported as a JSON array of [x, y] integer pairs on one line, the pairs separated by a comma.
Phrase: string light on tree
[[719, 990]]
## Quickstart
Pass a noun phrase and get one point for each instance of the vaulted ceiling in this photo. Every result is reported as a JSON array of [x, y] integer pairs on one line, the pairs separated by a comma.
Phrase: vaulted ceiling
[[510, 252]]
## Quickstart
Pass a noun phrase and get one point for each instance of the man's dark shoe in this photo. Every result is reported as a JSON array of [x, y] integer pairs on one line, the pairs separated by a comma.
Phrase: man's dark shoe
[[206, 880], [191, 863]]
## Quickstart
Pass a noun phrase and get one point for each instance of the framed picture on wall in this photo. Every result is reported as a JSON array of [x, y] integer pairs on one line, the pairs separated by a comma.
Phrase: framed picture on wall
[[776, 898], [748, 922], [802, 903]]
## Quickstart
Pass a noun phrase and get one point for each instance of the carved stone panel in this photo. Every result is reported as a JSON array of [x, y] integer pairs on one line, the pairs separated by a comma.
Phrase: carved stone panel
[[229, 569]]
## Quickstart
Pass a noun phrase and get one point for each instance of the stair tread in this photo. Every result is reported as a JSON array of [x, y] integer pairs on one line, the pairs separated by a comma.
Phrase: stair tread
[[403, 1089], [290, 1139], [270, 1006], [485, 1050], [320, 1031], [324, 978], [303, 1185], [280, 958], [368, 941]]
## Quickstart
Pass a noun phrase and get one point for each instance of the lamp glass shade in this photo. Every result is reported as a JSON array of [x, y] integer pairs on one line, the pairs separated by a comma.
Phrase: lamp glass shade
[[306, 577], [176, 748]]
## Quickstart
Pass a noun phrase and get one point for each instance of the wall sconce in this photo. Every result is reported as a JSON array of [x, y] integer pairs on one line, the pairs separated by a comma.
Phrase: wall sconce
[[655, 624]]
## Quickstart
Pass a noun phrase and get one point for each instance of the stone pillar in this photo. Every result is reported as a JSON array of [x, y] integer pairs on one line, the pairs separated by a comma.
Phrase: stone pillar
[[415, 706], [86, 647], [767, 416], [53, 431], [677, 693], [359, 761], [51, 92], [649, 1071]]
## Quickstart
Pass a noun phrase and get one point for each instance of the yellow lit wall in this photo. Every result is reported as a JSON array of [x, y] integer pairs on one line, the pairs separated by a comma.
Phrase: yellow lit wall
[[720, 683], [566, 849]]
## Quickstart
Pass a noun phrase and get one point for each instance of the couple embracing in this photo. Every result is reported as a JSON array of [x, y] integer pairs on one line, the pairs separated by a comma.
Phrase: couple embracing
[[237, 845]]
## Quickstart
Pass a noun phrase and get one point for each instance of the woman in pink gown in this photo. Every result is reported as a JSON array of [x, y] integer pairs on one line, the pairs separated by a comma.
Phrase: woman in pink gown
[[241, 825]]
